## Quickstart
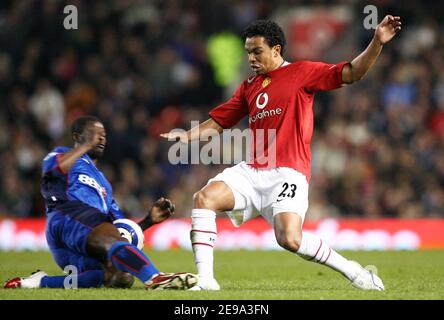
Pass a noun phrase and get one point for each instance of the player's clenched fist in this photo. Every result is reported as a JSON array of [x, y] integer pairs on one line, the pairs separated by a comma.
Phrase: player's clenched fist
[[161, 210]]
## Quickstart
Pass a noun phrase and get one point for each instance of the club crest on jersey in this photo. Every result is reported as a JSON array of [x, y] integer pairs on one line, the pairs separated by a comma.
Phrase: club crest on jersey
[[266, 82]]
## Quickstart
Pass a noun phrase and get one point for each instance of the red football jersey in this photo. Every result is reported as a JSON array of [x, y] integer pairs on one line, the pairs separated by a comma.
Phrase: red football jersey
[[281, 104]]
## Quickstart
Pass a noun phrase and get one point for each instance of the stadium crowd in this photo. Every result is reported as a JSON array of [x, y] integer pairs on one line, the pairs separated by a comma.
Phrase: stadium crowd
[[143, 67]]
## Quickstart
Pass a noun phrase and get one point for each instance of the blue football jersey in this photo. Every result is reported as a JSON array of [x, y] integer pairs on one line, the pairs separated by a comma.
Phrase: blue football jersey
[[83, 182]]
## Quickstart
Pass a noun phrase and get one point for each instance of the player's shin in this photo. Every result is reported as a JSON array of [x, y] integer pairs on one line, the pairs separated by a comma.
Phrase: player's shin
[[203, 237], [126, 257], [314, 249]]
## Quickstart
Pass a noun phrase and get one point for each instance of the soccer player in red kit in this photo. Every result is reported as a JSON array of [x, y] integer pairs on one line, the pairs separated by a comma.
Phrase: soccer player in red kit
[[278, 99]]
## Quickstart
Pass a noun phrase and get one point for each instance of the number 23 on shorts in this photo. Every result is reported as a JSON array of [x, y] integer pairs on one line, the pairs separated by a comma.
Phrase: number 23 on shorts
[[288, 191]]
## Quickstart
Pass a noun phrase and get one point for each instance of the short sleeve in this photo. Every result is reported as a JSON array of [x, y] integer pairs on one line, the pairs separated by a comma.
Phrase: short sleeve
[[323, 76], [51, 163], [231, 112]]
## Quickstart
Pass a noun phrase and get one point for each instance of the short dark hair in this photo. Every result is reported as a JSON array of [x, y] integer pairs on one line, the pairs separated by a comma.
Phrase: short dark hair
[[270, 30], [80, 123]]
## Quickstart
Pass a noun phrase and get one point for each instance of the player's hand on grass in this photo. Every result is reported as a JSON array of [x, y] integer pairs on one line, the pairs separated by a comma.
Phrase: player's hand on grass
[[175, 136], [387, 29], [161, 210]]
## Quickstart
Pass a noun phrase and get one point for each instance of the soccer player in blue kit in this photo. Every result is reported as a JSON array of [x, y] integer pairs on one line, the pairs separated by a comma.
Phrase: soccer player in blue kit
[[80, 209]]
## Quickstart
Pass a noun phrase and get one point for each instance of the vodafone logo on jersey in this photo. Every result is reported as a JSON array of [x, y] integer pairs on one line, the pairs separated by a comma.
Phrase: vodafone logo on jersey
[[261, 103], [262, 100]]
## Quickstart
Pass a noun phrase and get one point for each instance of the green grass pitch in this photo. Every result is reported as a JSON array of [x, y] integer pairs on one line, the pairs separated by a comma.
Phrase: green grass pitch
[[254, 275]]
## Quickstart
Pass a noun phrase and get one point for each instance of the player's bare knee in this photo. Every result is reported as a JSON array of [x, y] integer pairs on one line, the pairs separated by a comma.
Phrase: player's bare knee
[[201, 200], [101, 239], [289, 242], [119, 279]]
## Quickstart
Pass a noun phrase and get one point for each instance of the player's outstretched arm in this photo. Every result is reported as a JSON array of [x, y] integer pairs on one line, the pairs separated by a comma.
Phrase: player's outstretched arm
[[161, 210], [204, 130], [384, 32]]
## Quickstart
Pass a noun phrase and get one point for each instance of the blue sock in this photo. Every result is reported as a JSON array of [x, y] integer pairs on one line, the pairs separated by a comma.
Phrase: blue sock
[[126, 257], [86, 279]]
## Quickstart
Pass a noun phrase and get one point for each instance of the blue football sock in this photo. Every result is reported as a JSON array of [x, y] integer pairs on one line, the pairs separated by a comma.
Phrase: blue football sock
[[126, 257], [86, 279]]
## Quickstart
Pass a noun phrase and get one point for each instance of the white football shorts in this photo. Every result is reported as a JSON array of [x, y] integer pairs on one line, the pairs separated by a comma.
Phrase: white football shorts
[[264, 192]]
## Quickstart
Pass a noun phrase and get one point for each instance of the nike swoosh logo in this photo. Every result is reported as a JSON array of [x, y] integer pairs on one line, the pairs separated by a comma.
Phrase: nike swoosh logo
[[279, 200], [250, 80]]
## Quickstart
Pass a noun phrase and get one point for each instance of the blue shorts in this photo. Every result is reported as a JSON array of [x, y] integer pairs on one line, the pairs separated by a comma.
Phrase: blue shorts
[[68, 226]]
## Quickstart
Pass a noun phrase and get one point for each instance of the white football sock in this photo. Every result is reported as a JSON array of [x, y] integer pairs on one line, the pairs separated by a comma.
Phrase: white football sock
[[203, 236], [312, 248]]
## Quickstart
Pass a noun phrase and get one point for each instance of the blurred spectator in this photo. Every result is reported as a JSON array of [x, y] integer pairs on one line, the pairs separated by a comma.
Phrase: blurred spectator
[[48, 107]]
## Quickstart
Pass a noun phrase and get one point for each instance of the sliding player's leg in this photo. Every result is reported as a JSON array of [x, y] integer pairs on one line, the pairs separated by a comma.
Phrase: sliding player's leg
[[80, 272], [88, 273], [85, 231], [66, 232], [289, 235], [66, 236], [105, 244]]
